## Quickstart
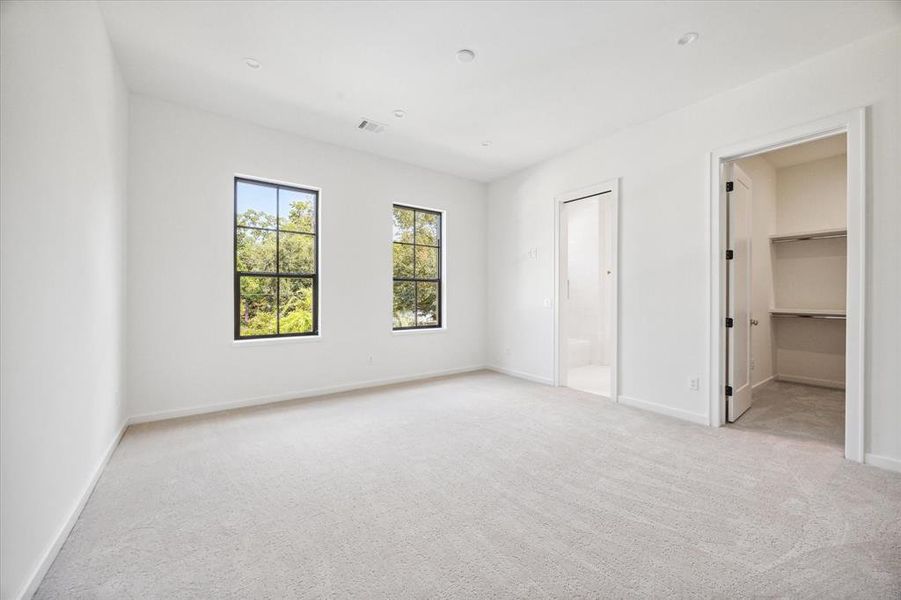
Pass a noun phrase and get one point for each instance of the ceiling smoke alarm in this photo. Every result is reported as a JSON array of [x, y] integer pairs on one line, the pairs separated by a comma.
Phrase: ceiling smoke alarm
[[371, 126], [465, 55]]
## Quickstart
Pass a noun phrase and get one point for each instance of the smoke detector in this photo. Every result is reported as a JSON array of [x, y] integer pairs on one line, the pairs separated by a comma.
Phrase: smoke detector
[[371, 126]]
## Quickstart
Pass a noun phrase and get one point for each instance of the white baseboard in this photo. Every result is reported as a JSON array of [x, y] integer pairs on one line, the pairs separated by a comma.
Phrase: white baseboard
[[764, 382], [685, 415], [700, 419], [296, 395], [521, 374], [50, 555], [883, 462], [826, 383]]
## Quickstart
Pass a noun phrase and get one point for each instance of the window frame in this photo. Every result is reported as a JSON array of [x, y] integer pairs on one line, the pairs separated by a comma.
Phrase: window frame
[[439, 280], [277, 275]]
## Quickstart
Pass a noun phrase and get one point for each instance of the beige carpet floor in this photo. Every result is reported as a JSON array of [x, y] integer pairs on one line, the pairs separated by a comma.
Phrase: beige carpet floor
[[478, 486], [804, 412]]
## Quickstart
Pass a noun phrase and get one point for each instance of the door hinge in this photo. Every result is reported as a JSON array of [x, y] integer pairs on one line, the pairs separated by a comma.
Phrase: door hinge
[[730, 186], [729, 322], [728, 390], [730, 254]]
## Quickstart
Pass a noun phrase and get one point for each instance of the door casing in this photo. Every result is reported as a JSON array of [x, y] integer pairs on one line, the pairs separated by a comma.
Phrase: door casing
[[609, 189], [853, 124]]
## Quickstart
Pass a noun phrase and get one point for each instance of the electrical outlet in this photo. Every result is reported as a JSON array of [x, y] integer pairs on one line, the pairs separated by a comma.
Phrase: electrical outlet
[[694, 384], [371, 359], [753, 364]]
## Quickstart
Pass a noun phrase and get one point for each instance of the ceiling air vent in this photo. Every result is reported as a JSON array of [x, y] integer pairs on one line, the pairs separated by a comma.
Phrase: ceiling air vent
[[371, 126]]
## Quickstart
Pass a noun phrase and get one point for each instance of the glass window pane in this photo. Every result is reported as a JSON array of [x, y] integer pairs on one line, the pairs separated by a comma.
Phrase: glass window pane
[[403, 260], [297, 210], [426, 304], [403, 224], [295, 305], [257, 309], [404, 301], [426, 262], [256, 204], [256, 250], [296, 253], [428, 230]]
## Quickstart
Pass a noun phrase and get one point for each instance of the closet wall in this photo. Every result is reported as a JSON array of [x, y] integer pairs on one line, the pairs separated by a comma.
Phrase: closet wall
[[810, 274], [806, 275]]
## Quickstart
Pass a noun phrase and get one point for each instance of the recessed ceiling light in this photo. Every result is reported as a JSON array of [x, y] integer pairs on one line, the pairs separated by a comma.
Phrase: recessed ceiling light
[[400, 114], [486, 143], [689, 38], [465, 56], [252, 63]]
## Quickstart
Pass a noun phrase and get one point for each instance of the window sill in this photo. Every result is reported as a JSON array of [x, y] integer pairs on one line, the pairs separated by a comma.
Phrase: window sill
[[299, 339], [419, 331]]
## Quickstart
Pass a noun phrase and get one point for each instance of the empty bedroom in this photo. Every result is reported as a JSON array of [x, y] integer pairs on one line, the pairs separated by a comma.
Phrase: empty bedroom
[[501, 299]]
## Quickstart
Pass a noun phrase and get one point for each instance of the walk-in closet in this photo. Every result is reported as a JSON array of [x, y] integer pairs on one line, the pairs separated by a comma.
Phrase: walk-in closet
[[789, 215]]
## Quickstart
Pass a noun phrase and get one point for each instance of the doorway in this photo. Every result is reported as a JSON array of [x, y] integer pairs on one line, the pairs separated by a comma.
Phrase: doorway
[[787, 329], [586, 290]]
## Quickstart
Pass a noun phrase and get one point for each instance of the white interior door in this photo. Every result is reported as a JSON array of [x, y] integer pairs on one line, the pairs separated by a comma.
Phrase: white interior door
[[738, 331]]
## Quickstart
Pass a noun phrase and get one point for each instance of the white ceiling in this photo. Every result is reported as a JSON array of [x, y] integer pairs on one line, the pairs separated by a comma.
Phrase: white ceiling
[[799, 154], [549, 76]]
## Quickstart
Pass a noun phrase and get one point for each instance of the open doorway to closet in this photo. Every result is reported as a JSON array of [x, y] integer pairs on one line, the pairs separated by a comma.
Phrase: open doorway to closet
[[787, 232], [586, 316], [789, 279]]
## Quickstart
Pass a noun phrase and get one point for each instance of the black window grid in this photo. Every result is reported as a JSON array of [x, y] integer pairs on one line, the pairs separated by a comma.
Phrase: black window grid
[[417, 280], [278, 275]]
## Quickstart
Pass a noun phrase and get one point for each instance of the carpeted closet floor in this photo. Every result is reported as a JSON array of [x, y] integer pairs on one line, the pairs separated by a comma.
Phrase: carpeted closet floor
[[478, 486]]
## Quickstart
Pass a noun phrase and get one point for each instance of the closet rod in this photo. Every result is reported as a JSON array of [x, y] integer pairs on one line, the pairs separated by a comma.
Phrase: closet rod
[[794, 316]]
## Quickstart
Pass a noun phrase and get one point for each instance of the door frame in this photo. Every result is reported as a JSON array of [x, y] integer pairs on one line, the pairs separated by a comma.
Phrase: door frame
[[611, 186], [853, 124]]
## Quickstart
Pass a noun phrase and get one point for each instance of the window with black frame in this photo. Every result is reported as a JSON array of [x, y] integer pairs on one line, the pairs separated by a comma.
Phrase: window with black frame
[[417, 268], [276, 266]]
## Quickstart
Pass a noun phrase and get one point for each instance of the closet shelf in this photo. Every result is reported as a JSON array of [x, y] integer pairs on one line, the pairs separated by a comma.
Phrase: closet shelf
[[820, 234], [809, 313]]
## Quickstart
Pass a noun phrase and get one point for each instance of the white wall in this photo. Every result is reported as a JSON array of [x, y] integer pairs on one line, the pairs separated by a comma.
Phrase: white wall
[[763, 217], [664, 232], [63, 125], [812, 195], [181, 355]]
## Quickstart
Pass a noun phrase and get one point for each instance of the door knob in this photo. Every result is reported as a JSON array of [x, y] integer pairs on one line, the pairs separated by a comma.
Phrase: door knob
[[755, 322]]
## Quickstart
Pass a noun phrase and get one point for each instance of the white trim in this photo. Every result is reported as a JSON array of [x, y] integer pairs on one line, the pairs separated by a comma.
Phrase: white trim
[[276, 341], [764, 382], [678, 413], [853, 123], [610, 186], [826, 383], [50, 554], [403, 332], [295, 395], [278, 182], [521, 375], [883, 462]]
